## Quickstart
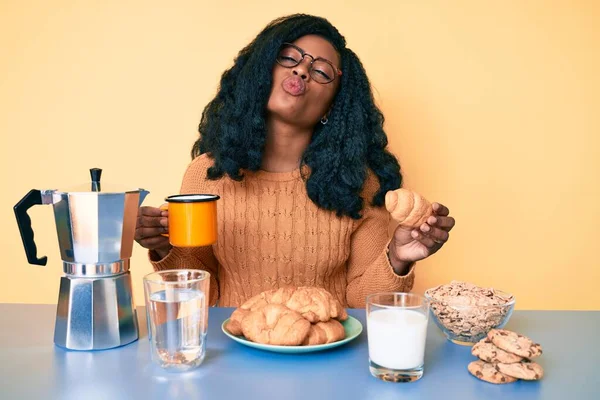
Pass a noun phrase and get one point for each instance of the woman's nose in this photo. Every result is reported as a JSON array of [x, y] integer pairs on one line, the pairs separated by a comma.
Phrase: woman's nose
[[302, 69]]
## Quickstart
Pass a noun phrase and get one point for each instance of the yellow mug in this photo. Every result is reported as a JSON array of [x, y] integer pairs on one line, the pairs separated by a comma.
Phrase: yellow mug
[[192, 219]]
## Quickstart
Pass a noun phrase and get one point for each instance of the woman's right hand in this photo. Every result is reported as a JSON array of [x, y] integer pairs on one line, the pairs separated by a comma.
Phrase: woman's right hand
[[151, 223]]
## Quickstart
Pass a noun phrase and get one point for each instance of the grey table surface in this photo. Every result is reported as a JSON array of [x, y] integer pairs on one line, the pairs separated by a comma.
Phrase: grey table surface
[[32, 367]]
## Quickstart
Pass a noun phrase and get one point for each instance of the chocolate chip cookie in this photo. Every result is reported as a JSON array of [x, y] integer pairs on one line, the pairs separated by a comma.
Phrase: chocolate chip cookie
[[487, 372], [526, 370], [515, 343], [487, 351]]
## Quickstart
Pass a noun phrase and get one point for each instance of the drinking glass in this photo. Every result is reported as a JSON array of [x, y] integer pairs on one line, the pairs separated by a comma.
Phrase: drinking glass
[[397, 331], [177, 315]]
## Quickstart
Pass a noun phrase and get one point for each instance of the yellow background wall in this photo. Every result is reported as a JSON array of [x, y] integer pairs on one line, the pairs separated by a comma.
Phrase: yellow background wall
[[492, 107]]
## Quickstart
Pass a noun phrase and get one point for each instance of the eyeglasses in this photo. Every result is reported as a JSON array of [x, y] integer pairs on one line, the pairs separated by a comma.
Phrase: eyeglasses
[[321, 70]]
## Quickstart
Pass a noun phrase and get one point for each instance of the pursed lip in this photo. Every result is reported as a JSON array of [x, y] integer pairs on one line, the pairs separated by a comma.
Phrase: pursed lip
[[294, 85]]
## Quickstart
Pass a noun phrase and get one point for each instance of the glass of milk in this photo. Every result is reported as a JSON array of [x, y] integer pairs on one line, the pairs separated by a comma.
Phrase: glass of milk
[[177, 317], [396, 331]]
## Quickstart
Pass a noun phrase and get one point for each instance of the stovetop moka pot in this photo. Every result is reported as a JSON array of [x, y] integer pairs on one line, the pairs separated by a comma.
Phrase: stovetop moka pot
[[95, 225]]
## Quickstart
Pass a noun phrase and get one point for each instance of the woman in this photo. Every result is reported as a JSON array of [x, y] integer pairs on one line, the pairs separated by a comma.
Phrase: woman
[[294, 145]]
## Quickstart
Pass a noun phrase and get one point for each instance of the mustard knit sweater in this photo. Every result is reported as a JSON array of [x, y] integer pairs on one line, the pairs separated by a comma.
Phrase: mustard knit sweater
[[270, 235]]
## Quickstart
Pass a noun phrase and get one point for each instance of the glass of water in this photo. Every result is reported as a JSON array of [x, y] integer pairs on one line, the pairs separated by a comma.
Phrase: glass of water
[[177, 315]]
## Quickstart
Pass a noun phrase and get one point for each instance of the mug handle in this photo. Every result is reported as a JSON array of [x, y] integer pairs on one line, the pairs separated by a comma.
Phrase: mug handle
[[166, 208]]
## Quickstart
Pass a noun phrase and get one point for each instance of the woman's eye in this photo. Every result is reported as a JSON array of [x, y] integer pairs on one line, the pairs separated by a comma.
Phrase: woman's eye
[[322, 73], [287, 59]]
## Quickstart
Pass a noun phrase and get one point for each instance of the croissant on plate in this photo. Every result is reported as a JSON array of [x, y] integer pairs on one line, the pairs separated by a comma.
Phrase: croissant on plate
[[325, 332], [315, 304], [275, 324], [290, 316], [407, 207]]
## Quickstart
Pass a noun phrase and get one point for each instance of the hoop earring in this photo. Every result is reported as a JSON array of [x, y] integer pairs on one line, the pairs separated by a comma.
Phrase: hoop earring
[[324, 120]]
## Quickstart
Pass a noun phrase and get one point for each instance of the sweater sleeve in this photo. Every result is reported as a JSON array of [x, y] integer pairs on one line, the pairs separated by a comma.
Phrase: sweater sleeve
[[369, 268], [192, 257]]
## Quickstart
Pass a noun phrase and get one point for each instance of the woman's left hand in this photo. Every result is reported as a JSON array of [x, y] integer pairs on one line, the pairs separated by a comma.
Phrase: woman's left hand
[[410, 245]]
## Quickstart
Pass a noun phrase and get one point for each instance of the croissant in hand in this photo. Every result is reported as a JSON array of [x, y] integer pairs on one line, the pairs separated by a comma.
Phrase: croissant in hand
[[407, 207]]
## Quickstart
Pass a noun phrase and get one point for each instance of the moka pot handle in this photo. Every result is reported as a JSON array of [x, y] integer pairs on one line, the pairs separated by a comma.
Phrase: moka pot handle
[[34, 197]]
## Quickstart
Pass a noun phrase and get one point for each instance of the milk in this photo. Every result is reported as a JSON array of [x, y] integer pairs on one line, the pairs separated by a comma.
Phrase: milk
[[397, 338]]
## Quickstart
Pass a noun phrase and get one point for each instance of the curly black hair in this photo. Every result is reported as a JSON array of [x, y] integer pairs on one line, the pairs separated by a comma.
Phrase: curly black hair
[[233, 127]]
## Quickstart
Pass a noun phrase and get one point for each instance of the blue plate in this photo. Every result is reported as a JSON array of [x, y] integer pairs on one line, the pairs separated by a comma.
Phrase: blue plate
[[352, 326]]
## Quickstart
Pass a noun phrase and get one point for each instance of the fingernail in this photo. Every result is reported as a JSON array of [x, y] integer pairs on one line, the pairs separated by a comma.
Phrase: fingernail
[[164, 213], [425, 228], [433, 220]]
